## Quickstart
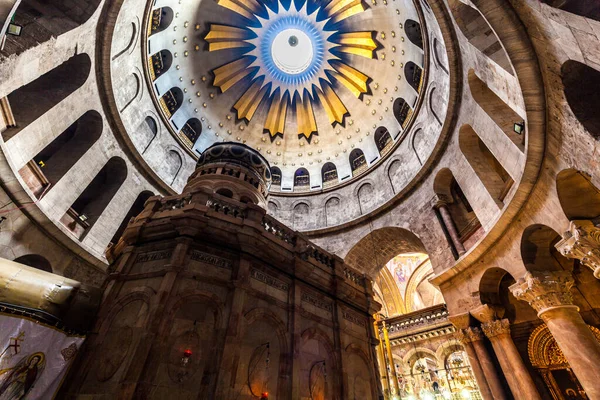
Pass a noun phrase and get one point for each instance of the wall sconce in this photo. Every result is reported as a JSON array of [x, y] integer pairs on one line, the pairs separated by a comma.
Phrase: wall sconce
[[519, 127], [187, 353]]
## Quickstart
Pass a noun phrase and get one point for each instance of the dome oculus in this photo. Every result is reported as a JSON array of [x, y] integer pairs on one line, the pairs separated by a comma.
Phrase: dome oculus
[[293, 57]]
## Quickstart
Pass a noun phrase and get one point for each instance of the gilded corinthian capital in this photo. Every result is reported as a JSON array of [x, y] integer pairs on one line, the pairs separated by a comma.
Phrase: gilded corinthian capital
[[496, 328], [582, 241], [545, 290]]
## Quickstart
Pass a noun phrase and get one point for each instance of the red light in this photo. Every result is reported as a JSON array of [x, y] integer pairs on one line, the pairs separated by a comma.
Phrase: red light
[[264, 396], [187, 353]]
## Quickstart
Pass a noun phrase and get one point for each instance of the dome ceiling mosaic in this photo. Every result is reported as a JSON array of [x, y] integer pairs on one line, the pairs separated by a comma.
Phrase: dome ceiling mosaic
[[313, 85]]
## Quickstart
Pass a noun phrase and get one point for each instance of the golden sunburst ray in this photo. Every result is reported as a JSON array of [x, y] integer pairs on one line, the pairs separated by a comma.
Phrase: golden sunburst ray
[[358, 43], [339, 10], [246, 8], [335, 109], [305, 115], [353, 79], [275, 122], [222, 37], [230, 74], [248, 103]]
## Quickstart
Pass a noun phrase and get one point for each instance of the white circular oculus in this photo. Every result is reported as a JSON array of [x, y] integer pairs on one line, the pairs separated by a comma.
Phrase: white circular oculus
[[292, 51]]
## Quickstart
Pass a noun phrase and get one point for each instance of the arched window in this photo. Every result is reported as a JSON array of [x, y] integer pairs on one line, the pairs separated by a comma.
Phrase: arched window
[[578, 196], [58, 157], [136, 208], [479, 33], [43, 20], [33, 100], [160, 63], [225, 193], [402, 111], [504, 116], [456, 214], [171, 101], [413, 32], [275, 176], [301, 179], [148, 130], [414, 76], [491, 173], [190, 132], [35, 261], [329, 175], [581, 83], [358, 163], [383, 140], [301, 216], [92, 202], [161, 19], [172, 166], [583, 8]]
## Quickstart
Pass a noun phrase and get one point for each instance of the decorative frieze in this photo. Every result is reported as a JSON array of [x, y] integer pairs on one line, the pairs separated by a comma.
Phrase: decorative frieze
[[582, 241], [268, 279], [545, 289], [496, 328], [354, 318], [210, 259], [317, 302], [154, 256]]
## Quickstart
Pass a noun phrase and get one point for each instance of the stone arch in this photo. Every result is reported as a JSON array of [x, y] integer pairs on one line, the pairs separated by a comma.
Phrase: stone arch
[[130, 90], [376, 248], [413, 32], [60, 155], [415, 354], [383, 140], [172, 164], [581, 83], [301, 179], [171, 101], [578, 196], [131, 38], [356, 383], [418, 143], [500, 112], [334, 214], [487, 168], [358, 162], [494, 291], [278, 327], [438, 56], [479, 33], [434, 100], [272, 207], [367, 200], [418, 277], [161, 19], [461, 212], [402, 112], [586, 9], [35, 261], [94, 199], [159, 64], [414, 76], [327, 353], [47, 19], [301, 212], [31, 101], [390, 293], [445, 350], [538, 252], [148, 130], [136, 208], [392, 168]]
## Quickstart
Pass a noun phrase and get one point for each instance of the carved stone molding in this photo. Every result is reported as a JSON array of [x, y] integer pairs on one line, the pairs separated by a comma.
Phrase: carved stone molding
[[440, 200], [469, 335], [496, 328], [582, 241], [544, 290]]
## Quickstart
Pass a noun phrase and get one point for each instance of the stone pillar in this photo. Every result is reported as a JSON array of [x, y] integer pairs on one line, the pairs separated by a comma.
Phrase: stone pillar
[[391, 364], [582, 241], [482, 365], [498, 331], [440, 203], [381, 361], [549, 293]]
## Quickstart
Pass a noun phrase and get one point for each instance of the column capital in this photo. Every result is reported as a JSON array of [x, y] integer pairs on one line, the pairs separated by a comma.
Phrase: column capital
[[582, 241], [440, 200], [545, 290], [487, 313], [496, 328], [469, 335]]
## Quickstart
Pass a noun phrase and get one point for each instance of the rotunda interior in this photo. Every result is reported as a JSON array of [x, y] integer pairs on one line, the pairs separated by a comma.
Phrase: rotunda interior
[[300, 199]]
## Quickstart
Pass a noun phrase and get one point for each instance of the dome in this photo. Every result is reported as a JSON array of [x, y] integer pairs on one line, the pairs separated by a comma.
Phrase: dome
[[236, 153]]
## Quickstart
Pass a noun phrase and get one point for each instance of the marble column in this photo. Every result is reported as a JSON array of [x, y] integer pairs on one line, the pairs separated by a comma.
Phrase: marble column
[[482, 364], [440, 203], [582, 241], [549, 293], [498, 332]]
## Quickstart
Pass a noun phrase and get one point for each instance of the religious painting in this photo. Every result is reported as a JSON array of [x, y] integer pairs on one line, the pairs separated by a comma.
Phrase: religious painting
[[34, 358], [402, 266]]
